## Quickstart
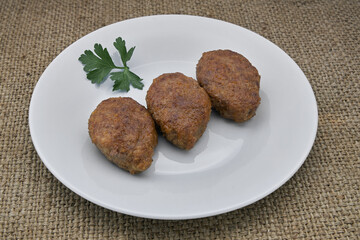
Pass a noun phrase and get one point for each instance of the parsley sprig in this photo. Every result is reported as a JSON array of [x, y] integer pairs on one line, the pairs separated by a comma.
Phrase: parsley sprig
[[99, 66]]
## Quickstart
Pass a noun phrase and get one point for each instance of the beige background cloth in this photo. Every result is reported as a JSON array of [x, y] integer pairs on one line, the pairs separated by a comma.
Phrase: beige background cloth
[[321, 201]]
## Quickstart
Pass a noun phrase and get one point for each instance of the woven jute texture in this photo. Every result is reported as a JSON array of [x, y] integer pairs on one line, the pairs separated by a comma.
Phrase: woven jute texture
[[321, 201]]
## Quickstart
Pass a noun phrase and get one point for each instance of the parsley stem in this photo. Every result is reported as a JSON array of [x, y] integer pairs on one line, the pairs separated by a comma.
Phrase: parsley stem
[[120, 67]]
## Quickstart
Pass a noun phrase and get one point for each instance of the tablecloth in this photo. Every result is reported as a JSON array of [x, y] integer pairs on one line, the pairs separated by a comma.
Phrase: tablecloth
[[321, 201]]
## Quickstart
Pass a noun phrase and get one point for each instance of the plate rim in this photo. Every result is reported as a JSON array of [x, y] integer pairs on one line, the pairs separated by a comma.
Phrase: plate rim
[[165, 217]]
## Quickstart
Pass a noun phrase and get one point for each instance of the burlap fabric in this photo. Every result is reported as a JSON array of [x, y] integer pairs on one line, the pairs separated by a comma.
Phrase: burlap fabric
[[320, 202]]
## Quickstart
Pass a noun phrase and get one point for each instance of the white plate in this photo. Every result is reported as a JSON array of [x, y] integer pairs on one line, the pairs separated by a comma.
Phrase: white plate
[[232, 165]]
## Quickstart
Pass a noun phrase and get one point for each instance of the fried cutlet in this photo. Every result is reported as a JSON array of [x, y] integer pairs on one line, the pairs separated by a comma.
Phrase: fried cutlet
[[231, 82], [124, 132], [180, 107]]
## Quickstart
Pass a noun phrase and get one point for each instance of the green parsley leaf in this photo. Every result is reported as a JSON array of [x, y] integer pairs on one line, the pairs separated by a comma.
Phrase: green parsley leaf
[[135, 80], [124, 79], [99, 66], [121, 81], [119, 44]]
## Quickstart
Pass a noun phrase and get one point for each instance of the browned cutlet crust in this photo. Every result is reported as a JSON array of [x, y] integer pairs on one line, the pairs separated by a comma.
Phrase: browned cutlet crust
[[124, 132], [180, 107], [231, 82]]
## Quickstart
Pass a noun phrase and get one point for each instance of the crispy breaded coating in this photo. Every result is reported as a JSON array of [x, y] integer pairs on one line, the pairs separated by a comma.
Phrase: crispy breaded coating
[[231, 82], [180, 107], [124, 132]]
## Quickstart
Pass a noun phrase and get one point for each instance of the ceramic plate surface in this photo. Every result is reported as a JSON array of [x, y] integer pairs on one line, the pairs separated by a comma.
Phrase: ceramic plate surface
[[231, 166]]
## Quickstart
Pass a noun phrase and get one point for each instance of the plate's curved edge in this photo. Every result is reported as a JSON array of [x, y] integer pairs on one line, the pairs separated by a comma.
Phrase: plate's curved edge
[[163, 217]]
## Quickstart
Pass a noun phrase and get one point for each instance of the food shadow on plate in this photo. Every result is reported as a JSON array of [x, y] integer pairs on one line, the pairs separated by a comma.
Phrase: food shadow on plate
[[223, 144], [174, 153], [254, 132], [106, 175]]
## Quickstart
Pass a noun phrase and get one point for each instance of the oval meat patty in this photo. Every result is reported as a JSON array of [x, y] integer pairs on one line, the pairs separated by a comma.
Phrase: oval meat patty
[[180, 107], [231, 82], [124, 132]]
